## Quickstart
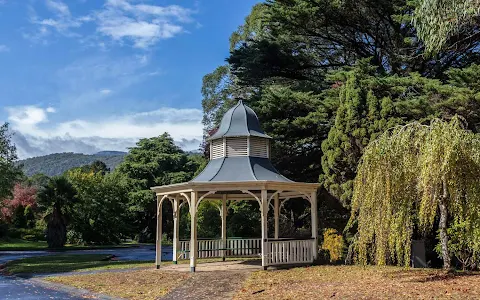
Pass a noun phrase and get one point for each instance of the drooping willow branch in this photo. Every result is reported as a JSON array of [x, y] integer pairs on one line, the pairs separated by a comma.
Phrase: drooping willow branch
[[403, 178]]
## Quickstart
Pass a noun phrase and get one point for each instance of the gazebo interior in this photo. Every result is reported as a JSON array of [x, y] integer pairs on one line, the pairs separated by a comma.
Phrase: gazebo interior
[[239, 169]]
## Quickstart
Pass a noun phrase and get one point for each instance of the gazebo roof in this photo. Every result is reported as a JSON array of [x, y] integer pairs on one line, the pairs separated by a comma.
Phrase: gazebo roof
[[241, 168], [239, 120]]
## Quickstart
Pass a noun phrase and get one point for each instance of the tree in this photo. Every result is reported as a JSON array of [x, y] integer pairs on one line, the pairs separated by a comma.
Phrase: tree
[[9, 172], [410, 177], [13, 208], [443, 23], [153, 162], [57, 199], [100, 215], [96, 167]]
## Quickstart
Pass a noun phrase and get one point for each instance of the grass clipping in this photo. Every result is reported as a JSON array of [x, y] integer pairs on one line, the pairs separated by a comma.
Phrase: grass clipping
[[142, 284]]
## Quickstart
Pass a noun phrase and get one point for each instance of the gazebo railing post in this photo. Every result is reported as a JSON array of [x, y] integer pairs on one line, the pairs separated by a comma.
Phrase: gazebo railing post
[[264, 215], [158, 241], [224, 226], [314, 213], [176, 228], [276, 208], [193, 231]]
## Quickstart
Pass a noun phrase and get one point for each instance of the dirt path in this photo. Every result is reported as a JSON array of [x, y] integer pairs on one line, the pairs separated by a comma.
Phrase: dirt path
[[213, 281]]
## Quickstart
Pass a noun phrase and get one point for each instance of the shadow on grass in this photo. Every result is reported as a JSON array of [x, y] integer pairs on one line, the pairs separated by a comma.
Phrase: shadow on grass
[[67, 263]]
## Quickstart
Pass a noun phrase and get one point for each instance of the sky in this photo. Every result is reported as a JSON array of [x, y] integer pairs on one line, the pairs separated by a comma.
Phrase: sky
[[94, 75]]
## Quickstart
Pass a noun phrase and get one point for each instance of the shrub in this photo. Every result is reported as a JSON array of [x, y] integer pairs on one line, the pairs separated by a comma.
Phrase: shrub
[[333, 243]]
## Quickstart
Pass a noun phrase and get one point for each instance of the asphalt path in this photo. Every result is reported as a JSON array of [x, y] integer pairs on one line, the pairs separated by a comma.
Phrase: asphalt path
[[12, 288]]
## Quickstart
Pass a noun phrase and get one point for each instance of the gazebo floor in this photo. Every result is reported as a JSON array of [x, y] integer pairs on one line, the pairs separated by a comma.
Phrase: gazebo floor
[[229, 265]]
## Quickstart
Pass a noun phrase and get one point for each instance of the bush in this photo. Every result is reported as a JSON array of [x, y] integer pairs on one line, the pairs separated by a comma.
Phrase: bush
[[333, 243], [31, 234]]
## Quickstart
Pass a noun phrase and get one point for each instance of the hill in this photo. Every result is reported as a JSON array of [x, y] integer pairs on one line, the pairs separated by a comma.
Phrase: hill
[[58, 163]]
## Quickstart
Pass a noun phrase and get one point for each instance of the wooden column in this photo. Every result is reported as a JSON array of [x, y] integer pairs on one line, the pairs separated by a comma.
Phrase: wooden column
[[158, 240], [193, 231], [176, 227], [264, 214], [223, 214], [276, 208], [314, 209]]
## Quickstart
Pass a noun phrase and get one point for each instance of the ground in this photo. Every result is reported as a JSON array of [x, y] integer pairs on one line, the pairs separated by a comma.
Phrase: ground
[[355, 282], [89, 274], [246, 282]]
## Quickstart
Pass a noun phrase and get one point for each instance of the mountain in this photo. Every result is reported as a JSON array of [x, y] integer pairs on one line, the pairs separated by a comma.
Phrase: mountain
[[58, 163]]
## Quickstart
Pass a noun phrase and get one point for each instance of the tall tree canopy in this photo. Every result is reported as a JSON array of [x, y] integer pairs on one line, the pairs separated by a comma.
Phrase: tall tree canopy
[[9, 172], [410, 177], [153, 162]]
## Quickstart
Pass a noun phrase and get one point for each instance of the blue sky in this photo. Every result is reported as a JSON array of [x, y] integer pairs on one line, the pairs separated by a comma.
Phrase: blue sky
[[91, 75]]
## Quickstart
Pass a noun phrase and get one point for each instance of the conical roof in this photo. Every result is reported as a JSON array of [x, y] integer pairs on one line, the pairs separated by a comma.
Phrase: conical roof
[[239, 120]]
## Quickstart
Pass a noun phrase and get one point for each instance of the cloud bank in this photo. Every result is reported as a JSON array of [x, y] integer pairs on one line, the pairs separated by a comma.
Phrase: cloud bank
[[34, 135]]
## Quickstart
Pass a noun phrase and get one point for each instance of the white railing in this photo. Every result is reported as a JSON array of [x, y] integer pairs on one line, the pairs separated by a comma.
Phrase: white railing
[[214, 248], [289, 252]]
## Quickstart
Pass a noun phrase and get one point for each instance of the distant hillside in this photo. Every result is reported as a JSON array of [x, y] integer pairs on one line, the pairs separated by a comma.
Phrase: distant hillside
[[58, 163]]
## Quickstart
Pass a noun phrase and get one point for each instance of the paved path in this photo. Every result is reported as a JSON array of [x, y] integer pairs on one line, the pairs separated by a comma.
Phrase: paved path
[[12, 288], [213, 281]]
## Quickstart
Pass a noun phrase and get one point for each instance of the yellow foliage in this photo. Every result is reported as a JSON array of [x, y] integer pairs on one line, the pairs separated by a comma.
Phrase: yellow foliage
[[333, 243]]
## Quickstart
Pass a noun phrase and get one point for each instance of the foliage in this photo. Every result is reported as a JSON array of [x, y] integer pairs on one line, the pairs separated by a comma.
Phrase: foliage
[[443, 23], [333, 243], [409, 177], [58, 163], [100, 215], [463, 244], [57, 199], [9, 172], [153, 162], [13, 208]]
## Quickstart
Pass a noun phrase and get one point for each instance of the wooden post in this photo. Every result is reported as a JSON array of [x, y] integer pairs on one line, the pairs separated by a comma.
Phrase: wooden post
[[193, 231], [264, 215], [223, 214], [276, 208], [176, 228], [158, 241], [314, 209]]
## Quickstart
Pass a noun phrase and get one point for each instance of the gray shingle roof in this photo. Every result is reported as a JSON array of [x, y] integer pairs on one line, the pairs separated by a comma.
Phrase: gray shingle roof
[[240, 168], [239, 120]]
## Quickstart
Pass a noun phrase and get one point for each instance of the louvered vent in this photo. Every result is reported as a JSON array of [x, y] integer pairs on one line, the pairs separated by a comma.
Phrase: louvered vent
[[237, 146], [217, 149], [258, 147]]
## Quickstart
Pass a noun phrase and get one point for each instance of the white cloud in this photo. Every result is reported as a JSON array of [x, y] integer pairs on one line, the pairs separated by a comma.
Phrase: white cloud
[[122, 21], [27, 116], [58, 7], [105, 91], [4, 48], [50, 110], [36, 136]]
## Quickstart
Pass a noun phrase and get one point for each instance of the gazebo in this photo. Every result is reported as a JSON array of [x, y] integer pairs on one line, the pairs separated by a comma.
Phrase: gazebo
[[239, 169]]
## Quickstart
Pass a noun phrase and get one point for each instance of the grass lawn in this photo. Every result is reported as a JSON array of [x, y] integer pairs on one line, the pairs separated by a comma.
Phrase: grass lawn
[[355, 282], [69, 263], [19, 244], [23, 245], [140, 284]]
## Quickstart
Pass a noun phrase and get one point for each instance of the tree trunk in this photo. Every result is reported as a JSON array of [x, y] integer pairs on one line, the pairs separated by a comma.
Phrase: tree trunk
[[442, 226]]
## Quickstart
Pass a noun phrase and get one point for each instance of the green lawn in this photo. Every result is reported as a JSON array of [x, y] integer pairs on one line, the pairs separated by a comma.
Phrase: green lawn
[[69, 263], [24, 245], [83, 262]]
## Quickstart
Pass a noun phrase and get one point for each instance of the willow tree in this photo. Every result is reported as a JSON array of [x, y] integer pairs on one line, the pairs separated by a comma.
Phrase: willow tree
[[437, 21], [411, 177]]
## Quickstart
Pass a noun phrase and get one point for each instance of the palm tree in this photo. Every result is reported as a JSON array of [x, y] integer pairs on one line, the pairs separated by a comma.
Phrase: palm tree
[[57, 198]]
